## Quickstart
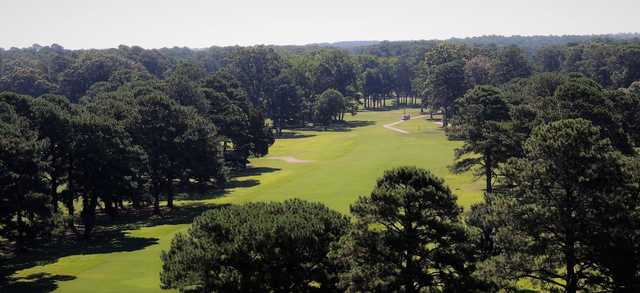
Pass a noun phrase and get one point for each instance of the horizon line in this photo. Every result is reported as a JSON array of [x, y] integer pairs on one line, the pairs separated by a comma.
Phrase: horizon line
[[329, 43]]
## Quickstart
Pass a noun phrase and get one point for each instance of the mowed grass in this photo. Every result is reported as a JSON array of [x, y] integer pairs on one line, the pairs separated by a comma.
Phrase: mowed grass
[[344, 165]]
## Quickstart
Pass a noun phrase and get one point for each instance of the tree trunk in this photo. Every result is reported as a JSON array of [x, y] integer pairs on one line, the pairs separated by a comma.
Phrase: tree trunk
[[445, 121], [571, 278], [71, 209], [412, 270], [567, 218], [135, 201], [89, 214], [71, 196], [488, 172], [108, 205], [54, 193], [170, 193], [20, 229], [156, 198]]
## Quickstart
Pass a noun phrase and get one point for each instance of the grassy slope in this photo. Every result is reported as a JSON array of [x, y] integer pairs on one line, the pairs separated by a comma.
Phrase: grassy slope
[[345, 166]]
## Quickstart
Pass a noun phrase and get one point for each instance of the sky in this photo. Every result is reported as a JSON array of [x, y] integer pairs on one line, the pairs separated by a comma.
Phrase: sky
[[79, 24]]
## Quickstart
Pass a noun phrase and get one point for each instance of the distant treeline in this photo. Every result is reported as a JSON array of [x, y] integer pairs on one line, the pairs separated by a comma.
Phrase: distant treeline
[[528, 43], [395, 68]]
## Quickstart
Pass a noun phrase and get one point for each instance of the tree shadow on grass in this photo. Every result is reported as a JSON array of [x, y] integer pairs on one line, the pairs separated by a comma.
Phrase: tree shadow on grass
[[40, 282], [236, 181], [293, 135], [253, 171], [343, 126], [105, 241], [136, 219], [383, 109], [110, 235], [243, 183], [339, 126]]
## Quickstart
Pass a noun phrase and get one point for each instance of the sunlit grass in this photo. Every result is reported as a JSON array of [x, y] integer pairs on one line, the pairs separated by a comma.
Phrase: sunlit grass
[[344, 166]]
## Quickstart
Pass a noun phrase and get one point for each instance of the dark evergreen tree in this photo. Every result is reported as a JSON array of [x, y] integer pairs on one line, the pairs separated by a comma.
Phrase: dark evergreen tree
[[547, 205], [257, 247], [483, 118], [408, 237], [25, 207]]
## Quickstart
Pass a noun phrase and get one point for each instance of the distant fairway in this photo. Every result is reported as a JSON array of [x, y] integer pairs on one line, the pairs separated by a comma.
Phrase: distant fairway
[[334, 167]]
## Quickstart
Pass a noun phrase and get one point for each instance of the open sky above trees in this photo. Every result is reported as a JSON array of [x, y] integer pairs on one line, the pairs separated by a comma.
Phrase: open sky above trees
[[201, 23]]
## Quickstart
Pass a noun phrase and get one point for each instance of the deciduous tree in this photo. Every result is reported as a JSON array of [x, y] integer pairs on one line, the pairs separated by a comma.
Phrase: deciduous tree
[[331, 106]]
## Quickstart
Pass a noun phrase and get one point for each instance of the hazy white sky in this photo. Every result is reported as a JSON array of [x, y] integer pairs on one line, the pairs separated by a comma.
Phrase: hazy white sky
[[200, 23]]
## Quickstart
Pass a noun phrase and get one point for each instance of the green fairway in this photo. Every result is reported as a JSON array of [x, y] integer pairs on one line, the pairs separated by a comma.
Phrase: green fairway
[[341, 165]]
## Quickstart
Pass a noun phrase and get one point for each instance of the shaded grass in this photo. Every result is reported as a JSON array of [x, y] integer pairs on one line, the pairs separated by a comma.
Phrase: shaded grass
[[112, 237], [346, 162], [340, 126], [38, 282]]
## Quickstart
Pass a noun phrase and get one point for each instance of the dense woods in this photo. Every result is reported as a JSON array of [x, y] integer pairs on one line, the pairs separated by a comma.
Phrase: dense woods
[[551, 123]]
